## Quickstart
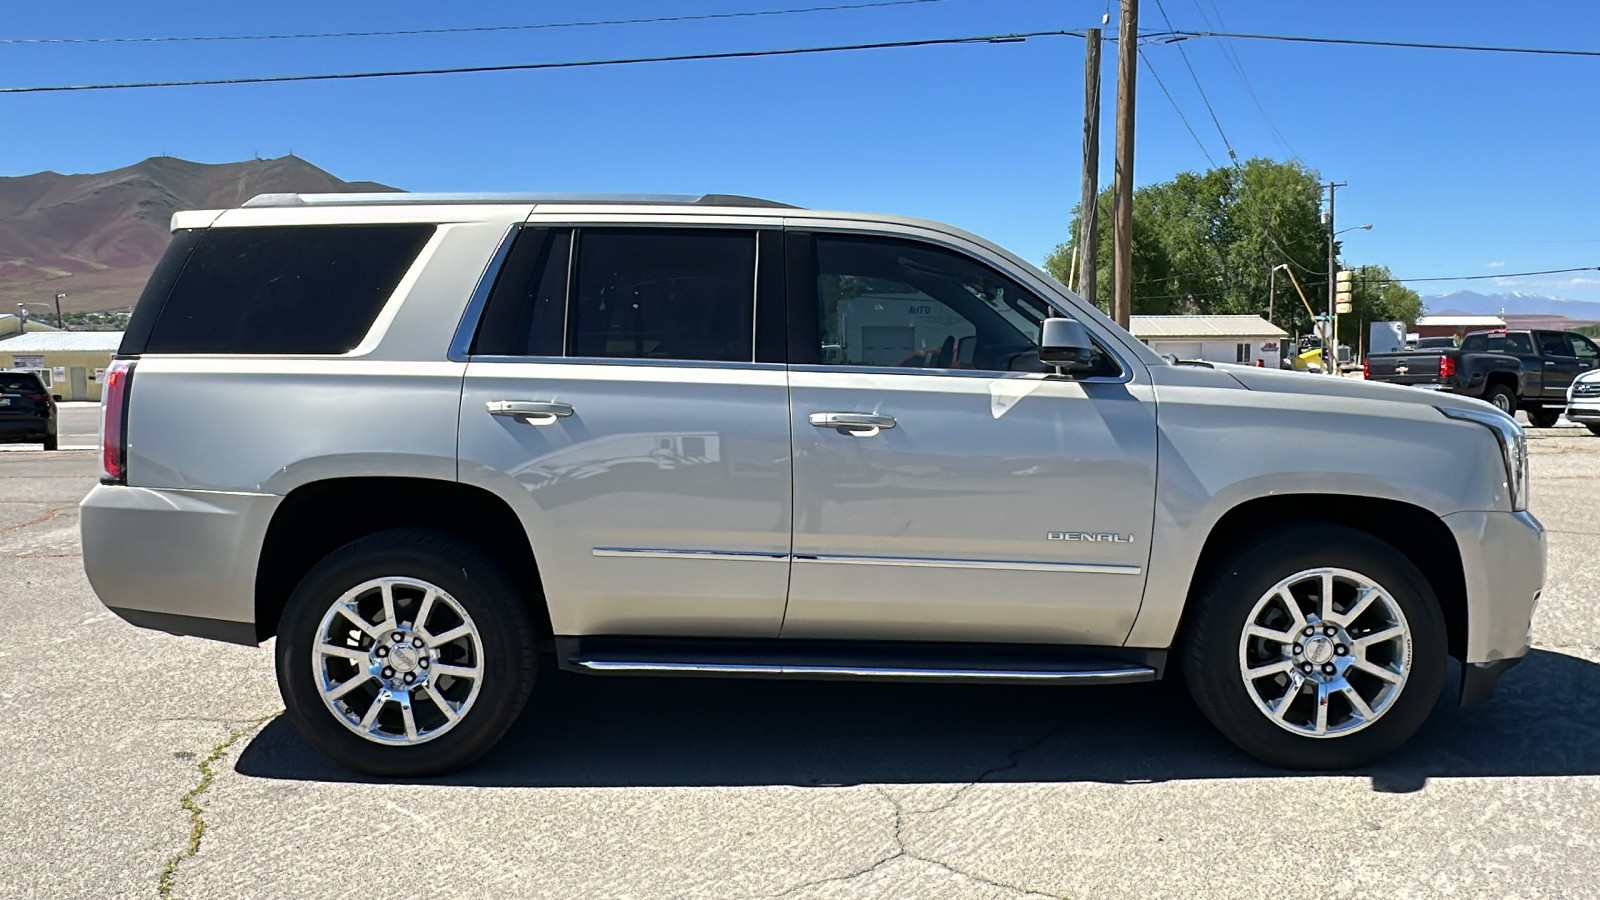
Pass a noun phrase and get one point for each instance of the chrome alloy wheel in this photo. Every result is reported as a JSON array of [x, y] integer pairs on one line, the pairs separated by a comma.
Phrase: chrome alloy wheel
[[398, 660], [1325, 652]]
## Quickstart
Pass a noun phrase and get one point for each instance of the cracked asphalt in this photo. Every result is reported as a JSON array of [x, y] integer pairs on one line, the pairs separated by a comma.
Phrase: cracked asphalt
[[623, 788]]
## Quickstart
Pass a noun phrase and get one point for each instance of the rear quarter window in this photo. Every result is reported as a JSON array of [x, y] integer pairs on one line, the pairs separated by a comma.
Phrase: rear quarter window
[[20, 383], [284, 290]]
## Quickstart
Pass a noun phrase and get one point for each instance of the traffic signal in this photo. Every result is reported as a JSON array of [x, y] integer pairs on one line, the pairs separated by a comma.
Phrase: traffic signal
[[1343, 283]]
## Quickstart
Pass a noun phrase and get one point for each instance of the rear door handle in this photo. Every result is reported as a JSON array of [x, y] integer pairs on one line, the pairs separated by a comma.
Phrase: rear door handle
[[854, 424], [534, 412]]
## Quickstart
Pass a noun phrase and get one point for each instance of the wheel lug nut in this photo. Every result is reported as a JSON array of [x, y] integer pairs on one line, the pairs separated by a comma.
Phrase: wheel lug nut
[[1299, 648], [383, 651], [388, 672], [1340, 649], [1330, 631], [423, 662], [417, 643], [1310, 630], [399, 637], [1306, 667], [410, 677]]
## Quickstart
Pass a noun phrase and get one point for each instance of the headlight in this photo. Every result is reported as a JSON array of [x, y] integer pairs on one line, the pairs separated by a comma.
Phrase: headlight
[[1513, 447]]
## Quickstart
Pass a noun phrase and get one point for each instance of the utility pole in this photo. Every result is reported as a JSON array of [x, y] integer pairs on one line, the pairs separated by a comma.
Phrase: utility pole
[[1330, 350], [1088, 208], [1122, 215]]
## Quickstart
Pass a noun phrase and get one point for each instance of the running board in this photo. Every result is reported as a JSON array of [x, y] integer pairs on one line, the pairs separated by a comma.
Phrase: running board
[[859, 661]]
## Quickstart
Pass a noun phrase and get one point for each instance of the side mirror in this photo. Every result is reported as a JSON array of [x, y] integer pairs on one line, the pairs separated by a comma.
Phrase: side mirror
[[1065, 344]]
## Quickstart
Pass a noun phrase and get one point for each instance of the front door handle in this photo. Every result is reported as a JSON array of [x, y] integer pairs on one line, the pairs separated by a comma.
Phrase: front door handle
[[854, 424], [535, 412]]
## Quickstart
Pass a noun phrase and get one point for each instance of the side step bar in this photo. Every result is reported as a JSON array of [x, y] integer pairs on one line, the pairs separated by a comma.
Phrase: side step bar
[[859, 661]]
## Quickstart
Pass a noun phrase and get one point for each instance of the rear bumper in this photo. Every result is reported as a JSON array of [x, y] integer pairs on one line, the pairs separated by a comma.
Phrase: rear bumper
[[12, 429], [1503, 559], [177, 561]]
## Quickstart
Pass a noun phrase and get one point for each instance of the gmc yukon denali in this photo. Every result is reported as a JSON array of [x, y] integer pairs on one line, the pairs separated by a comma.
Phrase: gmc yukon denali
[[422, 439]]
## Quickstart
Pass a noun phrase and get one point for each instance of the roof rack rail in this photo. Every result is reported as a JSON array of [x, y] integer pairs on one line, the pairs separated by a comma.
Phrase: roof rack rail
[[400, 198]]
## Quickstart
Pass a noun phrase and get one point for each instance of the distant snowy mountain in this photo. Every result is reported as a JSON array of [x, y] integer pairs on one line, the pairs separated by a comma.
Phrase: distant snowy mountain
[[1515, 303]]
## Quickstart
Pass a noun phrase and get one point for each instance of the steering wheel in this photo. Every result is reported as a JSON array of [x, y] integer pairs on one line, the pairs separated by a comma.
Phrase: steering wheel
[[946, 356]]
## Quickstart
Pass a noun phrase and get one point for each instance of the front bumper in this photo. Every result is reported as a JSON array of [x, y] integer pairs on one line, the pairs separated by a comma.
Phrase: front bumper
[[1503, 559], [1584, 410], [178, 561]]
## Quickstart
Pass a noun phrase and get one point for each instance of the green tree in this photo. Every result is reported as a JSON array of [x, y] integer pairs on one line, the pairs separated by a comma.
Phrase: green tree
[[1206, 242]]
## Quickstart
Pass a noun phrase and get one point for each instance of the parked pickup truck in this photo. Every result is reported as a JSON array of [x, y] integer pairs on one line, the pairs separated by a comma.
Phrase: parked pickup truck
[[1511, 368]]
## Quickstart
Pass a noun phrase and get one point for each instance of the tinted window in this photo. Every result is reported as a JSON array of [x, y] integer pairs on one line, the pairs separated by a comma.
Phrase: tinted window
[[1554, 343], [663, 294], [1476, 343], [884, 302], [1519, 343], [527, 310], [1583, 348], [302, 289]]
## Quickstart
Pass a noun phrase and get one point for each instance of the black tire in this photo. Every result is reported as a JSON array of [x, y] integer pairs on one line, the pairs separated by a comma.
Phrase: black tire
[[1543, 418], [1502, 397], [477, 583], [1210, 649], [51, 442], [1594, 430]]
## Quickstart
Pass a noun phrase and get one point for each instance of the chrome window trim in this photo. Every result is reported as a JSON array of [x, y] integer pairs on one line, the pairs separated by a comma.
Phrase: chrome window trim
[[822, 368], [629, 361], [943, 674], [467, 328], [653, 553]]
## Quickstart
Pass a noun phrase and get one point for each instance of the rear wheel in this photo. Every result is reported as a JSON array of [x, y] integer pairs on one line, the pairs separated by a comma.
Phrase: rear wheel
[[1502, 398], [1318, 647], [1594, 429], [405, 653], [51, 442], [1543, 418]]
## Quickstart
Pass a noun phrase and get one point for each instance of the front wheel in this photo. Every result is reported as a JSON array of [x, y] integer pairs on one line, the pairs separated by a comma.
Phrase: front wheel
[[51, 442], [405, 653], [1317, 647], [1594, 430], [1543, 418]]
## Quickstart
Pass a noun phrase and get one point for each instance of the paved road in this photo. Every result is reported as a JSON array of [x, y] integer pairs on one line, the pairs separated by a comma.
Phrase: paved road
[[624, 788]]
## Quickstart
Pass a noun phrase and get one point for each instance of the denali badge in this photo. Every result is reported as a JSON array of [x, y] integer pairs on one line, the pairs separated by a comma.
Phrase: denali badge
[[1090, 537]]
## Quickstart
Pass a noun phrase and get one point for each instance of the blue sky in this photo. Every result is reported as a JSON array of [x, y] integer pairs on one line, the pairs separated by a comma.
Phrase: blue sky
[[1463, 163]]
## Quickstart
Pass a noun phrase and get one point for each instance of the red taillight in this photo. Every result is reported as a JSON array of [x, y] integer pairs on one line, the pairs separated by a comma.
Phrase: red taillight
[[113, 422], [1447, 366], [1366, 370]]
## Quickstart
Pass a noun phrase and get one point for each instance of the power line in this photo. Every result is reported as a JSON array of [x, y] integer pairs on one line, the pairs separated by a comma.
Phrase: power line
[[1198, 86], [1175, 108], [1496, 275], [1174, 37], [529, 67], [877, 4], [1238, 67]]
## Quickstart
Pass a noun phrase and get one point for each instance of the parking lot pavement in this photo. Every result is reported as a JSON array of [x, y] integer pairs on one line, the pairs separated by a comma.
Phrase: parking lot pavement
[[680, 788]]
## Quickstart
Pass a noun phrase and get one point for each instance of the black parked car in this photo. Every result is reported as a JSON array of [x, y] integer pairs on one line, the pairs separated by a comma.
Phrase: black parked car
[[27, 411]]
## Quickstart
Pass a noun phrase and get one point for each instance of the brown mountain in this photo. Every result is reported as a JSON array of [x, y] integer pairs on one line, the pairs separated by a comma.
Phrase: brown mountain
[[96, 237]]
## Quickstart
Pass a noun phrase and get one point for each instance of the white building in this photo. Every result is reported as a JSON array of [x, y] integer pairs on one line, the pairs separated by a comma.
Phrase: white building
[[1227, 339]]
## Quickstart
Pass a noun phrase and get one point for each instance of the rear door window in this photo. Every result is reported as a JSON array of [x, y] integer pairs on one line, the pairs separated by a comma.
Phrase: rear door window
[[1476, 343], [684, 294], [1519, 344], [285, 290]]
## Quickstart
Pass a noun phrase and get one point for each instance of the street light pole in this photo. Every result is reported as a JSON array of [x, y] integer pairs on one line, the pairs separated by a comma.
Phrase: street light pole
[[1272, 296], [60, 297]]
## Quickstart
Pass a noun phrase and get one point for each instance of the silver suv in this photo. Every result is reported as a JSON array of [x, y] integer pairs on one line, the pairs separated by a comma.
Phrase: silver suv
[[421, 440]]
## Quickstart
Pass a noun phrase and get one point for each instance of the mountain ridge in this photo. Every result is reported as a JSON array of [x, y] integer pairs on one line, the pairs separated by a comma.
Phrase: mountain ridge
[[96, 236]]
